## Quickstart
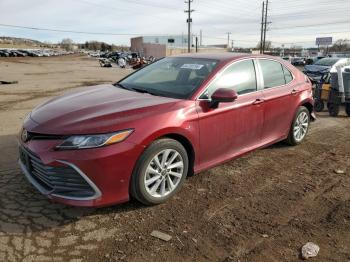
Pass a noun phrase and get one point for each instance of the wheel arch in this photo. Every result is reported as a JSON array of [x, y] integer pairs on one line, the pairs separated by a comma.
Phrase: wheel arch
[[187, 145], [181, 138], [310, 107]]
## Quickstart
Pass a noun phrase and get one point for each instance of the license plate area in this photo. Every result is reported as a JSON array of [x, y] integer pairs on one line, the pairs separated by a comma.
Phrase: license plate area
[[24, 157]]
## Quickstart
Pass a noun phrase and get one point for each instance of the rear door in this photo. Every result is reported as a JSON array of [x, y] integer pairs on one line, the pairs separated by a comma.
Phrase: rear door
[[279, 99]]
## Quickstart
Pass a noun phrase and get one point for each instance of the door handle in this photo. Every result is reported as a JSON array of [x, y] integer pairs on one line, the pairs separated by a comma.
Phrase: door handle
[[258, 101], [294, 92]]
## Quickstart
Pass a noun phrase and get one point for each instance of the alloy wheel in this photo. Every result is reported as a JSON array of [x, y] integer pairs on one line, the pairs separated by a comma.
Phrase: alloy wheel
[[301, 126], [163, 173]]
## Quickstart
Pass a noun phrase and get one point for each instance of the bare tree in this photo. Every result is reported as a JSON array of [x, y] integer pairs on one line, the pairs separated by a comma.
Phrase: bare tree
[[341, 45], [268, 45], [67, 44]]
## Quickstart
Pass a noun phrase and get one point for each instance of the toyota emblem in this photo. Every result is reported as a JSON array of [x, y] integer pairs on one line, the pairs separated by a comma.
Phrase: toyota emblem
[[24, 135]]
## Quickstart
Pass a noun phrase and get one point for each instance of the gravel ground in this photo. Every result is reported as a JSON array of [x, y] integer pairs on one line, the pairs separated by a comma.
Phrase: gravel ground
[[261, 207]]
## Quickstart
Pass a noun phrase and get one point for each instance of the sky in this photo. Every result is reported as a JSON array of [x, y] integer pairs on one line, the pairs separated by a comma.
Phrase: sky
[[291, 22]]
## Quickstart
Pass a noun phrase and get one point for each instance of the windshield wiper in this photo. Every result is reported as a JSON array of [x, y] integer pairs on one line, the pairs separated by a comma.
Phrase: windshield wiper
[[144, 91], [122, 86], [139, 90]]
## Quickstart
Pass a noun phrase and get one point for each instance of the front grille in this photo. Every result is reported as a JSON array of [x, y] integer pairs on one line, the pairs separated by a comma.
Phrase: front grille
[[63, 181], [38, 136]]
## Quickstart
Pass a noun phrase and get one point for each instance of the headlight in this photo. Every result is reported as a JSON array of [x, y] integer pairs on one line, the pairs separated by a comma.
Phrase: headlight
[[92, 141]]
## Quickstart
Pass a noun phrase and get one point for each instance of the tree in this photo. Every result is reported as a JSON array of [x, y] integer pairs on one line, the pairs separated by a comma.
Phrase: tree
[[104, 47], [268, 45], [67, 44], [341, 45]]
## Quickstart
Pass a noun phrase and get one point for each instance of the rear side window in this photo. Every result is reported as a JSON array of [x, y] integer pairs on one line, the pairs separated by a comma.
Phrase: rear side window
[[273, 73], [287, 75], [240, 77]]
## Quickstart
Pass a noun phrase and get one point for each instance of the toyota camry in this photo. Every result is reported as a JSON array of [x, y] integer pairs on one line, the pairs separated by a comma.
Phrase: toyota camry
[[142, 136]]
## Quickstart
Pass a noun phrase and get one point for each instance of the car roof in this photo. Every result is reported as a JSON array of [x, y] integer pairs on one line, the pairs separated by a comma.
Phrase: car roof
[[223, 57]]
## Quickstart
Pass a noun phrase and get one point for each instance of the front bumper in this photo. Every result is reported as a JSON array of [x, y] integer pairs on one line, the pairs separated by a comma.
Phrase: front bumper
[[90, 177]]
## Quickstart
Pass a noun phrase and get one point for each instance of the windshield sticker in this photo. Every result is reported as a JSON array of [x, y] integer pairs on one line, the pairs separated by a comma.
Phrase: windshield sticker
[[192, 66]]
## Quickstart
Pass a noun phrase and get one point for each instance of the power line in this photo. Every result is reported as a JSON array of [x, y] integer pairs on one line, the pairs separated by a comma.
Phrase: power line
[[77, 32], [106, 33], [132, 2], [124, 8], [237, 40], [312, 25]]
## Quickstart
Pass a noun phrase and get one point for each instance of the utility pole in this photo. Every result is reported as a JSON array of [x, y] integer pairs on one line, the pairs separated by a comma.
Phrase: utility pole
[[265, 22], [189, 21], [196, 44], [228, 39], [262, 28]]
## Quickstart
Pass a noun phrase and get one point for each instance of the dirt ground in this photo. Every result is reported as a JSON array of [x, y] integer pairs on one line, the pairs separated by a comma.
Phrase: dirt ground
[[261, 207]]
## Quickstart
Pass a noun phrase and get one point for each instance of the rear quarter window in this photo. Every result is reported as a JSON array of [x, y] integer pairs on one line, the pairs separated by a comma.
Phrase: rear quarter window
[[287, 75]]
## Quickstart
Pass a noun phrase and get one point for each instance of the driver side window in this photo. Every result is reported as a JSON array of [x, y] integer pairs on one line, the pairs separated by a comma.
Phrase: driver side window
[[240, 77]]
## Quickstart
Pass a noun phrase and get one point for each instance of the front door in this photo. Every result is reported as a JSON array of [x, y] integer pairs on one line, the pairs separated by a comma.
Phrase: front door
[[235, 127]]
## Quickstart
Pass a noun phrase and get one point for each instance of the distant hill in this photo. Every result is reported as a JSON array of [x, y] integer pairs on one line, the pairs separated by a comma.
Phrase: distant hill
[[16, 42], [19, 41]]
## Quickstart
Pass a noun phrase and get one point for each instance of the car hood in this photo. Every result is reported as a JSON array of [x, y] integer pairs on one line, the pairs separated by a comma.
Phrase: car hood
[[316, 68], [97, 109]]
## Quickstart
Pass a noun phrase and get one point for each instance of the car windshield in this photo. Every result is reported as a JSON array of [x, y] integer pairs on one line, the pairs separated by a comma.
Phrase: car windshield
[[175, 77], [327, 61]]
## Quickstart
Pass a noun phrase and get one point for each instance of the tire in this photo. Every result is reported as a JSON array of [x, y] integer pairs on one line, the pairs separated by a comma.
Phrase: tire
[[347, 108], [159, 189], [333, 109], [300, 122], [319, 105]]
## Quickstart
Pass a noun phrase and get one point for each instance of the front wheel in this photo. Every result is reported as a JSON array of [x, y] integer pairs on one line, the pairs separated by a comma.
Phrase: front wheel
[[160, 172], [299, 127]]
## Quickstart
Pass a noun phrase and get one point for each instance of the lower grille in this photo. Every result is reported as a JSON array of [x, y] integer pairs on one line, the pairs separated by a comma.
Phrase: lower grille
[[62, 181]]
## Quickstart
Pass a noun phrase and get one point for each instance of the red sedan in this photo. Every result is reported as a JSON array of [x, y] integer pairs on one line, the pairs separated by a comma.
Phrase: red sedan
[[142, 136]]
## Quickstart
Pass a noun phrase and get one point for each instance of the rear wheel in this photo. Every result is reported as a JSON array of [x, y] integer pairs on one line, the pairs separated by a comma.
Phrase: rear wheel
[[333, 109], [299, 127], [160, 172]]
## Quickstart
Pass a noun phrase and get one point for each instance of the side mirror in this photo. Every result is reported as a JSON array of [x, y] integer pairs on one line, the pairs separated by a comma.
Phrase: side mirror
[[222, 95]]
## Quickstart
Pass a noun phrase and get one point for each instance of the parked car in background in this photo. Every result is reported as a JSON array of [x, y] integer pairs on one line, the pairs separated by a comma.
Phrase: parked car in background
[[143, 135], [298, 61], [321, 67], [12, 52], [4, 53], [312, 60], [286, 58]]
